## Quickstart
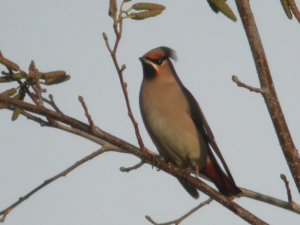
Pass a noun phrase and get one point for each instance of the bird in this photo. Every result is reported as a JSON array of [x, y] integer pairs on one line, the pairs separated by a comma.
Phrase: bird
[[176, 123]]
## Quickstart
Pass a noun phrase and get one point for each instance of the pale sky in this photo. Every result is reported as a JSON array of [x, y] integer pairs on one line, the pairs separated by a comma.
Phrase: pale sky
[[67, 35]]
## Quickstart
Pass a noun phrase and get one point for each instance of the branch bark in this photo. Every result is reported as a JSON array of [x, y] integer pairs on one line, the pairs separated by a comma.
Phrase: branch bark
[[64, 173], [145, 156], [286, 142]]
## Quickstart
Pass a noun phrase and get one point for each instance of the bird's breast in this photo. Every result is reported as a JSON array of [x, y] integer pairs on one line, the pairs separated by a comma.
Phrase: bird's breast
[[166, 114]]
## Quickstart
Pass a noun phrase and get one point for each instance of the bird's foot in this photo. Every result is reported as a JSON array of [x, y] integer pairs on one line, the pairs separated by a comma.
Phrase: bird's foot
[[155, 161], [187, 172], [194, 169]]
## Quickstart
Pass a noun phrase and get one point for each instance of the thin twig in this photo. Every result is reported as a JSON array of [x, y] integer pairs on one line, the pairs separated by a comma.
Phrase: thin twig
[[271, 200], [270, 96], [246, 192], [86, 111], [128, 169], [131, 149], [78, 132], [35, 82], [53, 104], [5, 212], [32, 96], [40, 121], [287, 186], [118, 28], [239, 83], [180, 219]]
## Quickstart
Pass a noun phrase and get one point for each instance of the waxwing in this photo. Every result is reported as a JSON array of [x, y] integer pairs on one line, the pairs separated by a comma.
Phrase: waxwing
[[177, 125]]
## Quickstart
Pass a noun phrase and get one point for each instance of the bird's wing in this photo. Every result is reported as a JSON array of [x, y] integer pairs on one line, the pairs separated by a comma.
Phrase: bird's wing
[[201, 123]]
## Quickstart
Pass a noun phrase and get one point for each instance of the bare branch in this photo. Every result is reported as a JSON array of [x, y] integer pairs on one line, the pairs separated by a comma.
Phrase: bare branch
[[271, 200], [147, 157], [87, 114], [79, 132], [288, 147], [239, 83], [118, 28], [103, 138], [53, 104], [292, 204], [40, 121], [128, 169], [287, 186], [5, 212], [182, 218]]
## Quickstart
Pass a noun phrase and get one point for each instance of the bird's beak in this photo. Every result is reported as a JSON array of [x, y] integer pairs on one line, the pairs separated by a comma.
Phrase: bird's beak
[[142, 59]]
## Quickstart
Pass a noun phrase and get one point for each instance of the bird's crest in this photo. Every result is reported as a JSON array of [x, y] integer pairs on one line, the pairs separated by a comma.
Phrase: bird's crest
[[169, 52], [161, 52]]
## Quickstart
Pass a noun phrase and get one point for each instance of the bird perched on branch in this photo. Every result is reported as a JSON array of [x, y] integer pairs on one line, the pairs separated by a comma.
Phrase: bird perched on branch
[[177, 125]]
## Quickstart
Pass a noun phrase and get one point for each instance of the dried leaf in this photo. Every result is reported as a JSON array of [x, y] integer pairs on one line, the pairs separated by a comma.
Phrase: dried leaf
[[286, 8], [222, 6], [13, 77], [112, 10], [145, 14], [5, 79], [7, 93], [55, 77], [213, 7], [16, 114], [9, 64], [294, 9], [19, 75], [148, 6], [33, 72]]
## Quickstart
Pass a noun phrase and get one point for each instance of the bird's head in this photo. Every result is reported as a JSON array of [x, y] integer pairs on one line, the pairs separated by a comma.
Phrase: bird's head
[[157, 60]]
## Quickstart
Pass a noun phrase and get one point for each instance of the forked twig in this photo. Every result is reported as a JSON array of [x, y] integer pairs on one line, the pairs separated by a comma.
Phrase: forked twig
[[270, 96], [180, 219], [53, 104], [271, 200], [64, 173], [118, 28], [239, 83], [128, 169], [70, 124], [86, 111], [292, 204], [287, 186]]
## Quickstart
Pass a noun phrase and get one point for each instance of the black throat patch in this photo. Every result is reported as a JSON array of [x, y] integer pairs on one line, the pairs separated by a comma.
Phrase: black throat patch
[[149, 71]]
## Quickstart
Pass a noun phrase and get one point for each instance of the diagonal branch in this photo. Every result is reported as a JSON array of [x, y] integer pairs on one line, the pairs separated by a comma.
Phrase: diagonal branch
[[289, 150], [239, 83], [64, 173], [118, 29], [180, 219], [271, 200], [96, 135], [146, 157]]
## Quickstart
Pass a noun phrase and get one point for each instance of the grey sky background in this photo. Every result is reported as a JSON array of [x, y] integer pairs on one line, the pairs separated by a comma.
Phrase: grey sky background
[[67, 35]]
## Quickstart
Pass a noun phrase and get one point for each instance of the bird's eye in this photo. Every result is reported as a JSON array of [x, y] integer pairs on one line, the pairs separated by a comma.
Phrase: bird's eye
[[159, 61]]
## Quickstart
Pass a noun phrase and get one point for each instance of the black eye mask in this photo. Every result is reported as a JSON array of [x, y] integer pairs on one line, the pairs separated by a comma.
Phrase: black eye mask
[[149, 71], [158, 61]]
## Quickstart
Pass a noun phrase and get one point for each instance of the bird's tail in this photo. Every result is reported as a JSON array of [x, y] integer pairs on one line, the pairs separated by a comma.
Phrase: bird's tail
[[213, 171], [189, 188]]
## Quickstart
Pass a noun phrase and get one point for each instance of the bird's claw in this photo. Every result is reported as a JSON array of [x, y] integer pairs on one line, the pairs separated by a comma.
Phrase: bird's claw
[[154, 161]]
